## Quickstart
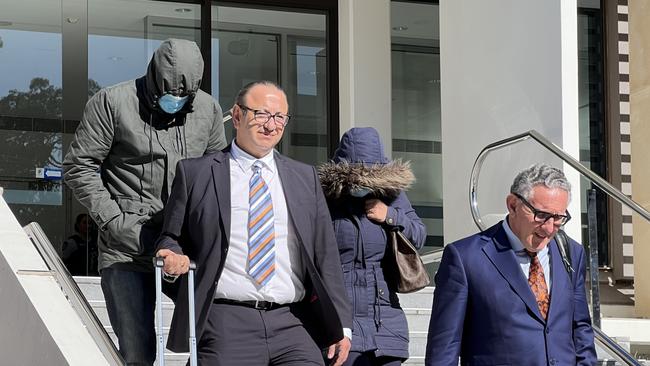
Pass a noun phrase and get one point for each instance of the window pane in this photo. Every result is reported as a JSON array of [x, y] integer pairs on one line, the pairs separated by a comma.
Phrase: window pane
[[120, 46], [285, 47], [416, 124], [30, 113], [593, 152]]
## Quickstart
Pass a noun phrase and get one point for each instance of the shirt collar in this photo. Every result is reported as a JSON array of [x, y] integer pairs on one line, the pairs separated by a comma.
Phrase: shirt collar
[[246, 160], [515, 243]]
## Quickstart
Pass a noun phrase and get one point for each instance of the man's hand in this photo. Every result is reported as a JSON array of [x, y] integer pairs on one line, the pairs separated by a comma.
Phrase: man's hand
[[175, 264], [340, 350], [376, 210]]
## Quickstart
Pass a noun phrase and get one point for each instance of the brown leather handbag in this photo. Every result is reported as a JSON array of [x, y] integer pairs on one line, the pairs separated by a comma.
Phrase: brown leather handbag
[[410, 274]]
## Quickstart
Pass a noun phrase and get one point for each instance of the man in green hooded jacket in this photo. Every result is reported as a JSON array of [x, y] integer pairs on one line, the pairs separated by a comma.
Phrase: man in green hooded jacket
[[120, 166]]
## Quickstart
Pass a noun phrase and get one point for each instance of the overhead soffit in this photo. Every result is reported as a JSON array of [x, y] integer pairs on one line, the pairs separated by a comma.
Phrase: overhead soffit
[[127, 16]]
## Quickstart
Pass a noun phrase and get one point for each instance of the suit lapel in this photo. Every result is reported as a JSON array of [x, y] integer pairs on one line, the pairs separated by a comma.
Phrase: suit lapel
[[221, 180], [293, 198], [559, 279], [503, 258]]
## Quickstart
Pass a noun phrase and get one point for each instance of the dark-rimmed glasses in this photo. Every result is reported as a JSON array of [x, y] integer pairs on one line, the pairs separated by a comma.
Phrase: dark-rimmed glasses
[[263, 117], [543, 216]]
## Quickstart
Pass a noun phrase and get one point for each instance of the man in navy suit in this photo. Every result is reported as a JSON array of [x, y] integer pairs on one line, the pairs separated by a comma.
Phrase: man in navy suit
[[504, 297], [269, 285]]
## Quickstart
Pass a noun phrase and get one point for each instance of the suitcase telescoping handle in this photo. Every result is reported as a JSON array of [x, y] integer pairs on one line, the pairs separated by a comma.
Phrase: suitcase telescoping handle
[[158, 264]]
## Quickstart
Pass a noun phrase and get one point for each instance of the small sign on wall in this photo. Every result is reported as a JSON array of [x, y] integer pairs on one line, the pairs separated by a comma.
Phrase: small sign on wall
[[49, 173]]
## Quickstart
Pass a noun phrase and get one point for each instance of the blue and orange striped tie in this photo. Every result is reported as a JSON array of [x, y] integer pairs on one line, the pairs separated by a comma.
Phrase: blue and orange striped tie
[[261, 230]]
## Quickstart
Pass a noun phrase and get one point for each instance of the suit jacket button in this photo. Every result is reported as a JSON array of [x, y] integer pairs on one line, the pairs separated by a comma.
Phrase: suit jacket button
[[389, 221], [547, 331]]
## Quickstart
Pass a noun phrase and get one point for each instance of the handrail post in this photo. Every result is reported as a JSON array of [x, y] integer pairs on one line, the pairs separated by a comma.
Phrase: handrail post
[[592, 224]]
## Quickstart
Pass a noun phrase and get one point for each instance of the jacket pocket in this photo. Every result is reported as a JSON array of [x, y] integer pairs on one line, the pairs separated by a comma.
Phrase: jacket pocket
[[127, 233]]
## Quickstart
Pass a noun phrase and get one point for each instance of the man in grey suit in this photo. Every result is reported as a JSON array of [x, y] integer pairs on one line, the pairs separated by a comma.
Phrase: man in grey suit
[[257, 226]]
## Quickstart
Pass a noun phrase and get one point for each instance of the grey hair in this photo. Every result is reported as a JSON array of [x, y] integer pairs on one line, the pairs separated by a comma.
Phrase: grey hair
[[241, 96], [539, 174]]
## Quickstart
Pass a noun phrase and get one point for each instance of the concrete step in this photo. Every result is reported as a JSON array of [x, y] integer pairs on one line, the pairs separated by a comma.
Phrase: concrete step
[[417, 307], [417, 344], [418, 319], [90, 286], [171, 358], [415, 361], [421, 299], [92, 289], [175, 359], [99, 306]]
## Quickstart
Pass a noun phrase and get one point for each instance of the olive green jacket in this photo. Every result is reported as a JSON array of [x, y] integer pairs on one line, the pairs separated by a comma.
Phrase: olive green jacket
[[122, 160]]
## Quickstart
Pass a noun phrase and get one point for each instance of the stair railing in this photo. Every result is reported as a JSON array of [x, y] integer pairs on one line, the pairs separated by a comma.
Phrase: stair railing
[[73, 293]]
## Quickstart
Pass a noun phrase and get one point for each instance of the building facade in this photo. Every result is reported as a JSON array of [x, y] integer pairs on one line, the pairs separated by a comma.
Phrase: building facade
[[439, 80]]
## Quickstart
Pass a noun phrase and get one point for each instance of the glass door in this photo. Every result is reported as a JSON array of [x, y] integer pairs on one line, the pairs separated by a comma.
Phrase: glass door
[[287, 47]]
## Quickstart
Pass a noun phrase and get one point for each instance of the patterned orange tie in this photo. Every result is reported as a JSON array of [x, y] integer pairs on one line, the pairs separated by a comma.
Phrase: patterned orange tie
[[537, 283]]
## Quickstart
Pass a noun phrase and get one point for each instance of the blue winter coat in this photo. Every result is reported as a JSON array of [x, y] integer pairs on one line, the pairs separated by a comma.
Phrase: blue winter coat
[[360, 165]]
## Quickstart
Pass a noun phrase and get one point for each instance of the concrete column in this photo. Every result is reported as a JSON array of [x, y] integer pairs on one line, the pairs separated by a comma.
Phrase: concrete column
[[507, 66], [365, 67], [639, 30]]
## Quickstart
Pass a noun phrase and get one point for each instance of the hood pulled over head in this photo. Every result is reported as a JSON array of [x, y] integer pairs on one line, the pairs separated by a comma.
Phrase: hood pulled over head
[[360, 145], [359, 165], [177, 65]]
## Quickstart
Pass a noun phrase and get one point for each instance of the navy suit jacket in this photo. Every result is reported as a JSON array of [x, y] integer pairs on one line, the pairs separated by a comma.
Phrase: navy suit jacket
[[197, 224], [485, 312]]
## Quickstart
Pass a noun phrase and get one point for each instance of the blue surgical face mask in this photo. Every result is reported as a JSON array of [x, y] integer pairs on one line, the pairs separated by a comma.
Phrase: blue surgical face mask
[[172, 104], [360, 192]]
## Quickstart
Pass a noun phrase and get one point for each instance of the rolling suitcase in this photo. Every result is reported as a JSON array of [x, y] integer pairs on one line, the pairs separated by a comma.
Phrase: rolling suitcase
[[160, 344]]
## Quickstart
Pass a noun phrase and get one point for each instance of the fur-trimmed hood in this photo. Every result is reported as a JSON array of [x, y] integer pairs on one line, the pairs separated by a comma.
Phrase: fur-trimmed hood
[[382, 180], [359, 165]]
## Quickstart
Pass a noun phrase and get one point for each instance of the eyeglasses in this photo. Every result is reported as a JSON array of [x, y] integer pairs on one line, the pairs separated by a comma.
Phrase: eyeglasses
[[543, 216], [263, 117]]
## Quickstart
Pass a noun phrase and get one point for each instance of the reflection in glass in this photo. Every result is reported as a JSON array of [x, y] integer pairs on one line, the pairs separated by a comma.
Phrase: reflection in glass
[[239, 58], [592, 121], [30, 113], [285, 47], [416, 127], [306, 136], [120, 45]]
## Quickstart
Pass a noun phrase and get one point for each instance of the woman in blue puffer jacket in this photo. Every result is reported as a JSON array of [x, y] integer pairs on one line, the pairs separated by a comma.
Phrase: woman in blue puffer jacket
[[365, 193]]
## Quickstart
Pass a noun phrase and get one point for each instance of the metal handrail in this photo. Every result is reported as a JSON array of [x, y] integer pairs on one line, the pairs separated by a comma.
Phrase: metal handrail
[[73, 293], [432, 256], [227, 115], [620, 353], [601, 338], [591, 176]]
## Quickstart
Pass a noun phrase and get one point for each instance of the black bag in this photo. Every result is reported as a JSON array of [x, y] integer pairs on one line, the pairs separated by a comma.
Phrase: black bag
[[565, 250], [410, 274]]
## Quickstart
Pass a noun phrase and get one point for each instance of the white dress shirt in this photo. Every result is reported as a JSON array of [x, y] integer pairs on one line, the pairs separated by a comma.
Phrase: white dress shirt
[[524, 259], [235, 283]]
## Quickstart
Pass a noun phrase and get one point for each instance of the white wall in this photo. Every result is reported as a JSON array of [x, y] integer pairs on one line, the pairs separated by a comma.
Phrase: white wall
[[507, 66], [364, 66], [38, 324]]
